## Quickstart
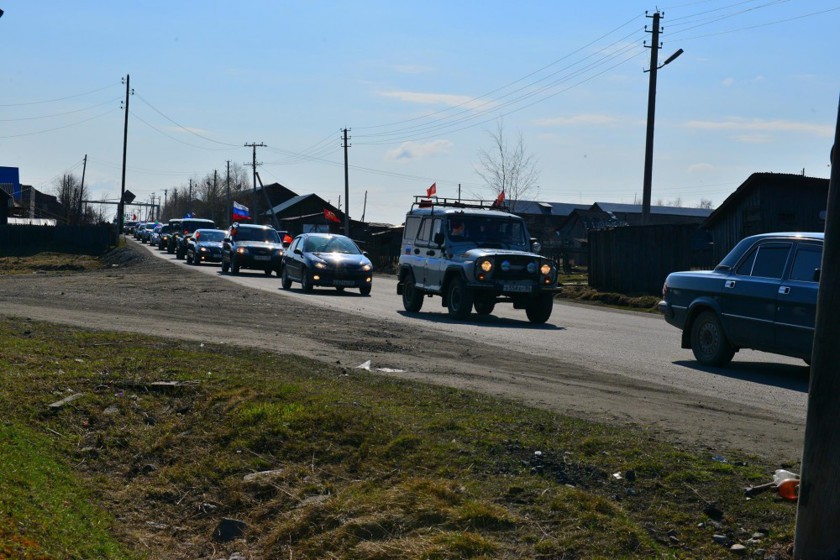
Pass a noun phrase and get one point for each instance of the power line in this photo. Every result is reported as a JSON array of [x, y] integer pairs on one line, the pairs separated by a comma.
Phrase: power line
[[59, 127], [57, 99], [62, 114], [194, 133]]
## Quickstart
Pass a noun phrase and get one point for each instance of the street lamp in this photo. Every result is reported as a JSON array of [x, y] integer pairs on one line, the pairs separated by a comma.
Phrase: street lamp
[[654, 66]]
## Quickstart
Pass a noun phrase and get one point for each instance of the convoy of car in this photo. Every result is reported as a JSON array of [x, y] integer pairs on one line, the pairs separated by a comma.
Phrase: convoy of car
[[762, 295], [473, 255]]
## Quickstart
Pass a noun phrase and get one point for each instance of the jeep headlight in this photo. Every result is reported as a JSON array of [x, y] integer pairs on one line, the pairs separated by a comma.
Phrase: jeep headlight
[[484, 265], [545, 269]]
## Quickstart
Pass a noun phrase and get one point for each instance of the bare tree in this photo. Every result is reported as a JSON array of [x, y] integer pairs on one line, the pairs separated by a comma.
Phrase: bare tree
[[70, 193], [705, 203], [508, 167]]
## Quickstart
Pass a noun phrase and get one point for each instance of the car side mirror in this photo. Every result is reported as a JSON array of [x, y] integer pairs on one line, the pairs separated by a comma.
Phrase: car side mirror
[[536, 246], [298, 252], [816, 275], [438, 239], [365, 254]]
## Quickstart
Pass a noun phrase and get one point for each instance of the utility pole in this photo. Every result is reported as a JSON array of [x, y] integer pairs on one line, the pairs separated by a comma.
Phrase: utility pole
[[165, 193], [82, 190], [459, 192], [121, 208], [254, 164], [189, 200], [346, 145], [228, 207], [654, 62], [654, 66], [364, 208], [819, 489], [214, 199]]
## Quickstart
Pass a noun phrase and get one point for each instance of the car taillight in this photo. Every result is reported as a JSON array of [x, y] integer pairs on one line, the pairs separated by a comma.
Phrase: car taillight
[[664, 291]]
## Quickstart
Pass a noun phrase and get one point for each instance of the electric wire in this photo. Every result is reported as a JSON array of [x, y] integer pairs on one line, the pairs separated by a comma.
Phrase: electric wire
[[61, 114], [57, 99], [60, 127]]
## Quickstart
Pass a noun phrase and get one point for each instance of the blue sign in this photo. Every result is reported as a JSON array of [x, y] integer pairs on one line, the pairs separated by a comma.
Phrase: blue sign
[[10, 181]]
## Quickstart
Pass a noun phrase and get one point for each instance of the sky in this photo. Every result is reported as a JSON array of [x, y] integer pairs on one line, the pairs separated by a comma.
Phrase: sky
[[420, 86]]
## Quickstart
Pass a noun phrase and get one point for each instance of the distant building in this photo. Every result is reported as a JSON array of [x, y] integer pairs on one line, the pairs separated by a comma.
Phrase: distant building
[[768, 202], [544, 218], [631, 214]]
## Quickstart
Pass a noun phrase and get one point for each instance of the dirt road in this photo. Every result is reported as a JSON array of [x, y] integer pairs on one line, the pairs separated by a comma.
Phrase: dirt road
[[144, 294]]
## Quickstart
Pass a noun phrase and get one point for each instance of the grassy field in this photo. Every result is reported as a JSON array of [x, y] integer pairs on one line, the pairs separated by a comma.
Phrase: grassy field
[[164, 439]]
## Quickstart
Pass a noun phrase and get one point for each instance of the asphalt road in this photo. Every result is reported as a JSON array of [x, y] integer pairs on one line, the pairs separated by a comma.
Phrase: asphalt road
[[628, 347]]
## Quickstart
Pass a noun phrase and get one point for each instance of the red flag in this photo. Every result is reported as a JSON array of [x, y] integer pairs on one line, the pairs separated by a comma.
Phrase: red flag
[[432, 190], [330, 216], [499, 200], [134, 217]]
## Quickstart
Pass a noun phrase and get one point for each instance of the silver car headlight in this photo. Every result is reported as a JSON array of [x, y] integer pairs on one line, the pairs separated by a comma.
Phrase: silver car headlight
[[366, 267], [320, 265]]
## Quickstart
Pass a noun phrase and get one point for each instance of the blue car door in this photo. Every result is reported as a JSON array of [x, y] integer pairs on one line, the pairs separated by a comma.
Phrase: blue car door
[[796, 308], [748, 298]]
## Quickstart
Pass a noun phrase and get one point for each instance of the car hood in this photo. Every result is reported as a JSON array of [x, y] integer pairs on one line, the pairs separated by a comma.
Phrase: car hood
[[261, 244], [478, 252], [213, 244], [339, 259]]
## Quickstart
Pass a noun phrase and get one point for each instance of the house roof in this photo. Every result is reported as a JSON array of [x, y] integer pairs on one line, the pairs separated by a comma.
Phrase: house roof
[[546, 208], [615, 207], [757, 179]]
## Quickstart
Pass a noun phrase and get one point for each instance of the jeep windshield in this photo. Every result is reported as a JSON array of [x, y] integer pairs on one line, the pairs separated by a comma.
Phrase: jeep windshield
[[489, 232]]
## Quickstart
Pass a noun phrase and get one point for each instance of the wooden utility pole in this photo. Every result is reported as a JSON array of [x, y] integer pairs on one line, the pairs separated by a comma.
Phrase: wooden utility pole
[[81, 191], [227, 188], [254, 164], [818, 512], [346, 145]]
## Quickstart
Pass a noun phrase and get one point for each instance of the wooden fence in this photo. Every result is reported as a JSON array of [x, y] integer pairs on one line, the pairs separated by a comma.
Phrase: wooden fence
[[635, 260], [28, 240]]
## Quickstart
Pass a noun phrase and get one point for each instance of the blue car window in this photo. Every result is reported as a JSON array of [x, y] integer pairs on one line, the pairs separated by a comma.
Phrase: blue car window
[[807, 261], [771, 260]]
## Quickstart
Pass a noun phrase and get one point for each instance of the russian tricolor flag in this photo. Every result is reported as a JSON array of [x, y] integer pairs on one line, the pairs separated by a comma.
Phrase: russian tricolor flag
[[240, 212]]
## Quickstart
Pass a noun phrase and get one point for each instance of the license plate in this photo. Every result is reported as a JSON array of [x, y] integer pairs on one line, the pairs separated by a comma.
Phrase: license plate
[[262, 258], [344, 283], [521, 288]]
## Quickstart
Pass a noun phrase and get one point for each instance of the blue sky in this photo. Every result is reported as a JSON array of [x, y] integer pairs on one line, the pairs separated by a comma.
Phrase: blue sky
[[420, 85]]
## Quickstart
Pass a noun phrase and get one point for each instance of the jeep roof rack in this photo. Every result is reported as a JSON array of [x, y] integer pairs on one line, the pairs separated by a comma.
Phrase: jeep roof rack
[[421, 201]]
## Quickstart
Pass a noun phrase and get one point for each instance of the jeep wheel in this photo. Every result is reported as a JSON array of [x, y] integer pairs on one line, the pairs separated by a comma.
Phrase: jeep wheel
[[411, 296], [460, 299], [285, 281], [484, 307], [539, 308], [708, 341], [305, 280]]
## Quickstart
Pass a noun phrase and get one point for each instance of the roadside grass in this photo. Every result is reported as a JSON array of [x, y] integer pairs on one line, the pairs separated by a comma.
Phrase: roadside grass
[[48, 262], [320, 461]]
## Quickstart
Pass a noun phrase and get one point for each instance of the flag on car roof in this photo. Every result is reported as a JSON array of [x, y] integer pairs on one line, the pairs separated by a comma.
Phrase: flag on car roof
[[499, 200], [330, 216], [240, 212], [432, 190]]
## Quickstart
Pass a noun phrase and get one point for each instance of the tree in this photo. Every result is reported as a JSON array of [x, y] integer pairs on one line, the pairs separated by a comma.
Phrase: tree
[[508, 168], [705, 203], [70, 194]]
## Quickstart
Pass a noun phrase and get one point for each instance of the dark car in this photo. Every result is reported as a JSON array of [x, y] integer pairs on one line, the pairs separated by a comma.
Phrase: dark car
[[172, 238], [762, 295], [163, 236], [325, 259], [185, 231], [253, 247], [205, 245]]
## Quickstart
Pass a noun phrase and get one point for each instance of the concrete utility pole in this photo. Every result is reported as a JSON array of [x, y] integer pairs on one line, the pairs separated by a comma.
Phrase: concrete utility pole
[[82, 191], [818, 512], [121, 207], [254, 164], [189, 199], [346, 145], [654, 67]]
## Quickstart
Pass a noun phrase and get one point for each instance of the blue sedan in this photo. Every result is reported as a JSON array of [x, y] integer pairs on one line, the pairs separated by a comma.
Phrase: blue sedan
[[762, 295], [325, 259]]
